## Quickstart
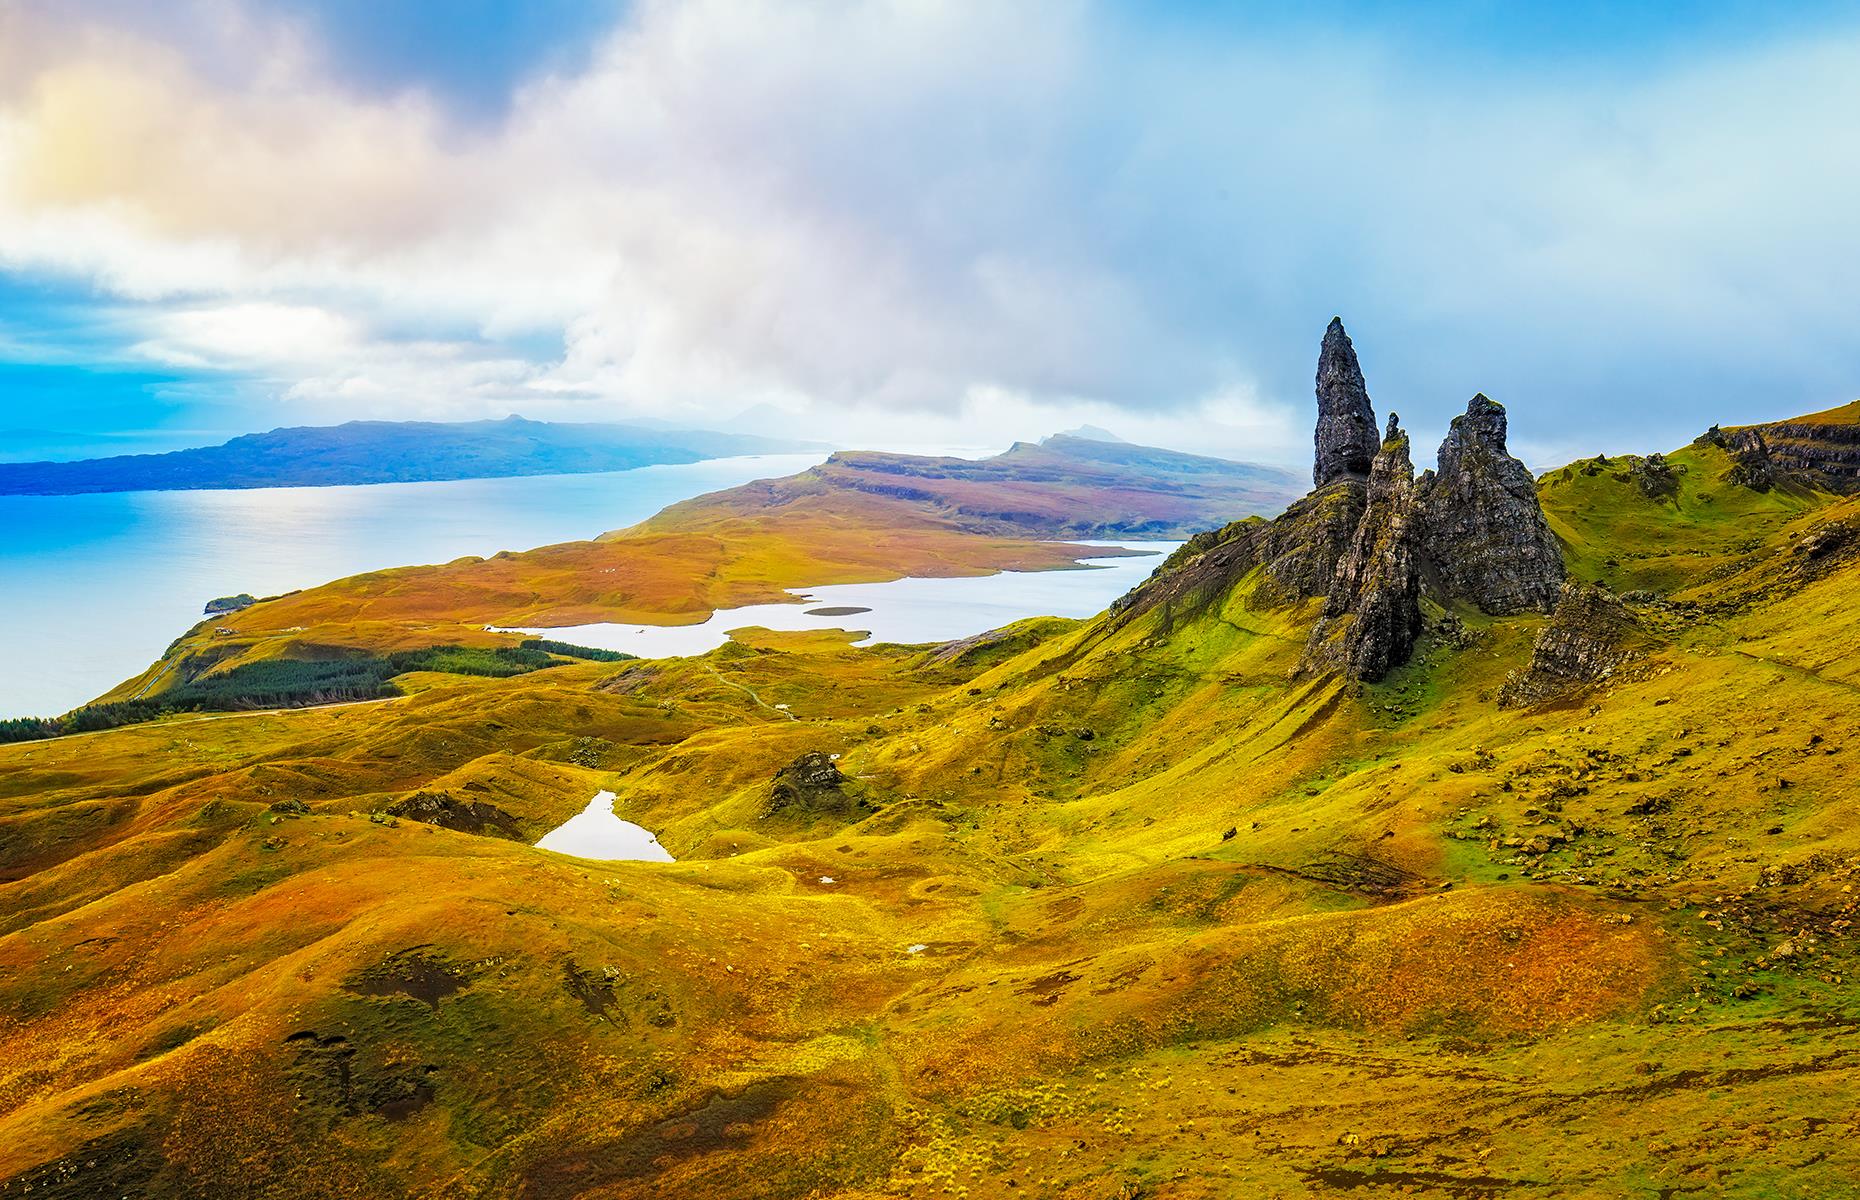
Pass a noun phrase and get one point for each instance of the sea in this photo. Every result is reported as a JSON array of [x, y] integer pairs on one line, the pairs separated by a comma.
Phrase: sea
[[96, 587]]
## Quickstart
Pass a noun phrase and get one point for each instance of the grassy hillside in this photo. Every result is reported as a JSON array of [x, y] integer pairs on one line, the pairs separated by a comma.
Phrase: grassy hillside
[[1102, 908]]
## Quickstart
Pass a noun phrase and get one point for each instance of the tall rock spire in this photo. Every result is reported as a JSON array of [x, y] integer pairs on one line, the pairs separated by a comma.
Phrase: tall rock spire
[[1372, 615], [1371, 537], [1346, 424], [1483, 527]]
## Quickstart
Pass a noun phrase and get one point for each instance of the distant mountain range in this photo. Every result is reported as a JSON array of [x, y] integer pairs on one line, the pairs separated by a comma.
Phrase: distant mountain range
[[390, 452]]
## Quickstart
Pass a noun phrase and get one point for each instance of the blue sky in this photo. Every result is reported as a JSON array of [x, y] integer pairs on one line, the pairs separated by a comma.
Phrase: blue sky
[[903, 222]]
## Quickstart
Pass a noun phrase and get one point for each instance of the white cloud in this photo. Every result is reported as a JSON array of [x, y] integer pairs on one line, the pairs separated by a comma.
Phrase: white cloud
[[968, 222]]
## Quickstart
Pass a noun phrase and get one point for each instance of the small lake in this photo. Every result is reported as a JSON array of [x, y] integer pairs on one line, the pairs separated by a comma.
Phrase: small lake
[[908, 611], [595, 832], [97, 586]]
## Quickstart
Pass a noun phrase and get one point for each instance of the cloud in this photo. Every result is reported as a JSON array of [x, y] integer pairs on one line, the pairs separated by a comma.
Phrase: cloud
[[954, 220]]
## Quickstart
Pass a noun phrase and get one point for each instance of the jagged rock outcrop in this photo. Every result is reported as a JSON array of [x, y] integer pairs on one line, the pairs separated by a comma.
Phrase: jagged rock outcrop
[[1482, 525], [1654, 476], [464, 816], [1823, 446], [1369, 536], [1346, 425], [1372, 614], [1751, 463], [1298, 551], [1589, 637], [812, 784]]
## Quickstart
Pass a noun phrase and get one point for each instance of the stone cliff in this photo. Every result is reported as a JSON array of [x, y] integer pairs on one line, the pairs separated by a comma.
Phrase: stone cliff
[[1823, 446]]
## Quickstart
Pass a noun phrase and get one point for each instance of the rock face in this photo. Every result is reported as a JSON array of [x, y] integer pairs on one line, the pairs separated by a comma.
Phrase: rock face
[[1372, 613], [1823, 446], [1482, 524], [1751, 464], [1589, 637], [1346, 424]]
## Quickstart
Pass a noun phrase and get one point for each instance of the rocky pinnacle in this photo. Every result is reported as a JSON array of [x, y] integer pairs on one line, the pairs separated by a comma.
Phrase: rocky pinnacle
[[1346, 426], [1370, 537], [1373, 612], [1483, 527]]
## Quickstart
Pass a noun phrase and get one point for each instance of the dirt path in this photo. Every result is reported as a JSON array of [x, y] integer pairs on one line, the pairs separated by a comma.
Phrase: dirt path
[[1789, 668], [750, 692]]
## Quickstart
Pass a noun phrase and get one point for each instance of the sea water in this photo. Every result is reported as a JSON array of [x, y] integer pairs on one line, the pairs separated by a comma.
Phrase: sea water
[[97, 586]]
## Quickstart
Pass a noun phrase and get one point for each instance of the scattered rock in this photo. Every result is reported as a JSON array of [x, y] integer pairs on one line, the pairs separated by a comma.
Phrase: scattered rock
[[1450, 630], [1826, 541]]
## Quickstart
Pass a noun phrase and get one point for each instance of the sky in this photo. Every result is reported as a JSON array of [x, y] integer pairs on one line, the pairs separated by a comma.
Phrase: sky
[[906, 222]]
